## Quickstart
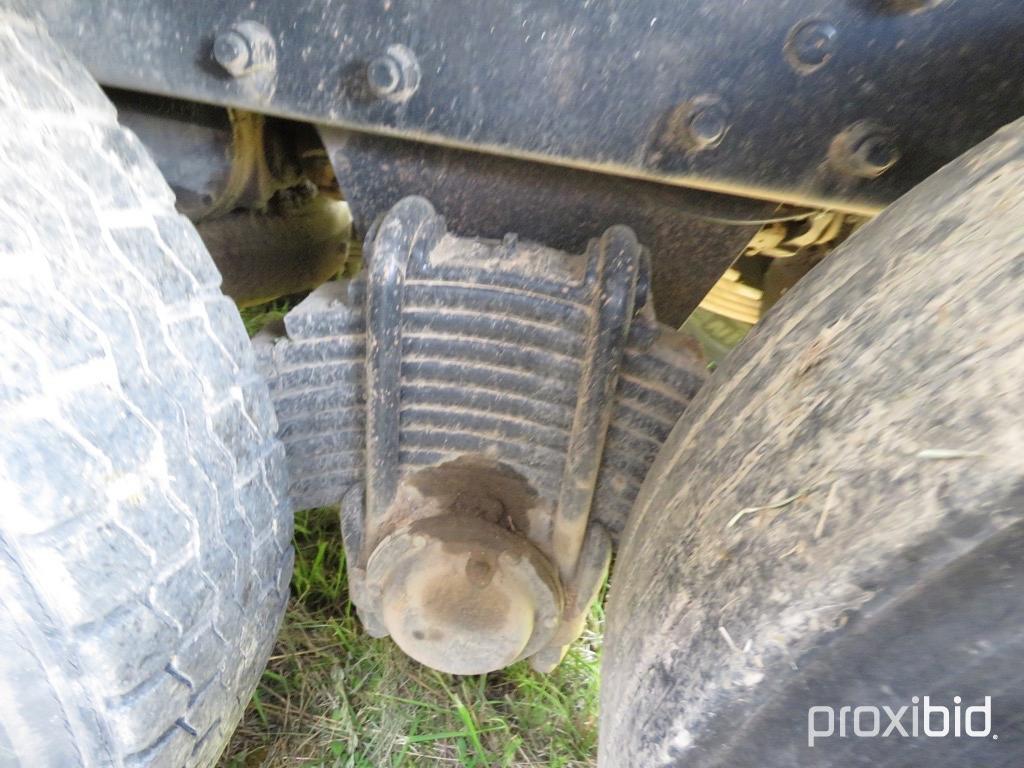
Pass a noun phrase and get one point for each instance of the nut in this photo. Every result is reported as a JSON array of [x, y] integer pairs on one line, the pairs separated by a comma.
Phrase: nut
[[393, 75]]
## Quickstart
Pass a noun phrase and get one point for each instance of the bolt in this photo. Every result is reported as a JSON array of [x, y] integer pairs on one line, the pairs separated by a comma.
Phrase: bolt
[[875, 155], [810, 45], [244, 48], [231, 51], [707, 125], [394, 74], [865, 149], [384, 75]]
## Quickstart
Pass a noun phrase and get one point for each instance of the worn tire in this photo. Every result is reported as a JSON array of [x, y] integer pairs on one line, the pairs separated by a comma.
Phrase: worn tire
[[872, 432], [145, 531]]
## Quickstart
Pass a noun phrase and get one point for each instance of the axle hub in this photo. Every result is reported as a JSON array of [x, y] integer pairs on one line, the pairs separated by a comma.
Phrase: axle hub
[[464, 595]]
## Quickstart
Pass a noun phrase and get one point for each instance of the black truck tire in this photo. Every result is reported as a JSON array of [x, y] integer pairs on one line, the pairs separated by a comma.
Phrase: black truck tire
[[838, 518], [145, 533]]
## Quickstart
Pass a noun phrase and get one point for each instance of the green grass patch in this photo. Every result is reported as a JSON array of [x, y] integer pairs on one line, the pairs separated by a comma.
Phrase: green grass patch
[[258, 316]]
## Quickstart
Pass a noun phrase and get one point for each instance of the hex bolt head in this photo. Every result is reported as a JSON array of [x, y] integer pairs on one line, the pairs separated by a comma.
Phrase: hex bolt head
[[810, 44], [393, 75], [707, 125], [245, 48]]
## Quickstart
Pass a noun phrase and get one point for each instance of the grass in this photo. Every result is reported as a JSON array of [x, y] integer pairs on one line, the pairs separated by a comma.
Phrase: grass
[[333, 697], [254, 318]]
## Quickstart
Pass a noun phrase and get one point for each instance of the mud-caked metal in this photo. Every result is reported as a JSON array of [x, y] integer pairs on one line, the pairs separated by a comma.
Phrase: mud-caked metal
[[485, 411], [464, 595], [456, 591]]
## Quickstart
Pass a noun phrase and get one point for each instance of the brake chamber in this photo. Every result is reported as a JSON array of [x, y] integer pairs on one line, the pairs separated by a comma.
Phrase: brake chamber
[[484, 412]]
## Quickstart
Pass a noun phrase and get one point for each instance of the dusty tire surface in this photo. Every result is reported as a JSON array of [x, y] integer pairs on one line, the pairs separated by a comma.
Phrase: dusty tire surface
[[838, 518], [145, 533]]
